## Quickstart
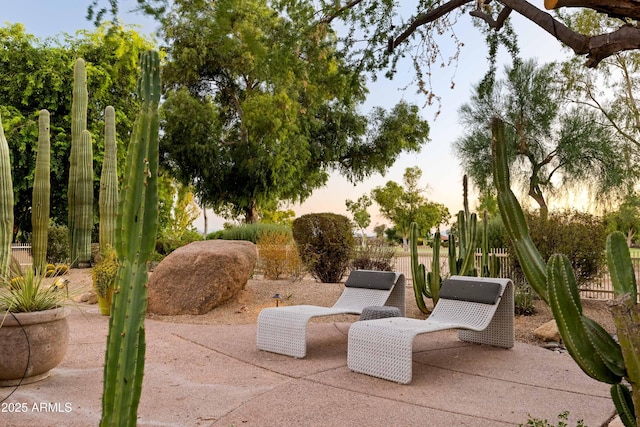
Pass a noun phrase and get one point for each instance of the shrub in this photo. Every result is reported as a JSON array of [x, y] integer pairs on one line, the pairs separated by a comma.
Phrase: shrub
[[581, 236], [279, 256], [166, 245], [250, 232], [324, 242], [375, 256], [58, 244]]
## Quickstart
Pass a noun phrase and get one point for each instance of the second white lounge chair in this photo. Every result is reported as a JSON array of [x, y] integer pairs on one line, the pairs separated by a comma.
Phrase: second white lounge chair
[[284, 329], [482, 308]]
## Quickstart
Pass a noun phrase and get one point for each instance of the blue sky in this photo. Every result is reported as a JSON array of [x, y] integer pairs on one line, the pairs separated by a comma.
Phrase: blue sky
[[441, 171]]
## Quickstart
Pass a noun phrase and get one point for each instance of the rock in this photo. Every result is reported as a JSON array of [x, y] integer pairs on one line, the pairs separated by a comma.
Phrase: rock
[[200, 276], [548, 331], [90, 297]]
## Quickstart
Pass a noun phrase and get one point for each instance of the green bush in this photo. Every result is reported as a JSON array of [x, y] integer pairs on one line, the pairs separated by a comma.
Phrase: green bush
[[166, 245], [249, 232], [325, 242], [580, 236], [58, 244]]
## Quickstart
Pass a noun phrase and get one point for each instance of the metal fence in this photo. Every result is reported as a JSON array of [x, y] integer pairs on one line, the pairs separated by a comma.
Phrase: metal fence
[[22, 253], [599, 288]]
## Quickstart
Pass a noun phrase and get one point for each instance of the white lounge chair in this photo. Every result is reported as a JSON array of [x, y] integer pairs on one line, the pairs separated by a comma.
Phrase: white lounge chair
[[481, 308], [284, 329]]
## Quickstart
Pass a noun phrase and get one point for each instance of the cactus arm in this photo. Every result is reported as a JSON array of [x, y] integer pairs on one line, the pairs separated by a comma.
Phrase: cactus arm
[[78, 124], [530, 259], [567, 310], [620, 267], [624, 406], [84, 199], [41, 195], [6, 204], [608, 349], [434, 275], [467, 266], [453, 264], [417, 271], [137, 224], [108, 201]]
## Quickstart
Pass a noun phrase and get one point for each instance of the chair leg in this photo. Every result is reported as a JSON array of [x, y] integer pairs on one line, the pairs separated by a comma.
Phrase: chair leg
[[282, 332], [379, 351]]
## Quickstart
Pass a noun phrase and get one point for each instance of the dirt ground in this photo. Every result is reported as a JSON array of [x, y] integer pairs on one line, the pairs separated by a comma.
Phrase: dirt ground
[[258, 294]]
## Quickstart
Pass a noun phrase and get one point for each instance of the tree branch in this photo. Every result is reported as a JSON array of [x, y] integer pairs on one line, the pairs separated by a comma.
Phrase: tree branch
[[495, 24], [430, 16], [615, 8]]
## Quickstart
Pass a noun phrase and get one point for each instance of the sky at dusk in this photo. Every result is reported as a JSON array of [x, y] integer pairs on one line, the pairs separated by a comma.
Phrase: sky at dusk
[[442, 175]]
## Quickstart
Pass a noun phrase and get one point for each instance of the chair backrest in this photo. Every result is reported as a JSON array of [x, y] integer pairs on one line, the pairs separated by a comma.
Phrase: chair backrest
[[370, 279], [365, 288], [471, 290], [468, 301]]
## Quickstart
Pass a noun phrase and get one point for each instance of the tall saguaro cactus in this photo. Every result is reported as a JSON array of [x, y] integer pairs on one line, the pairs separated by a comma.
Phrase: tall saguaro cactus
[[80, 192], [593, 349], [108, 198], [137, 223], [6, 204], [41, 195]]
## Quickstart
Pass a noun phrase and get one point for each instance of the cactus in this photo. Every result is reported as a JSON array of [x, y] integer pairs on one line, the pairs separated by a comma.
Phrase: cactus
[[489, 264], [425, 284], [593, 349], [41, 196], [80, 192], [108, 199], [136, 228], [6, 205], [463, 265]]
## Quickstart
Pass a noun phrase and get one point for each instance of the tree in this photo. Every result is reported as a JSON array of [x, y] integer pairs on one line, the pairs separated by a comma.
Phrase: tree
[[612, 88], [626, 219], [37, 74], [260, 107], [548, 144], [402, 206], [361, 217], [393, 30]]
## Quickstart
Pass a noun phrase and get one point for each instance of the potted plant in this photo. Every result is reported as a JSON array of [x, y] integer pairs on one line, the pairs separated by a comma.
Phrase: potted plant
[[33, 327], [104, 275]]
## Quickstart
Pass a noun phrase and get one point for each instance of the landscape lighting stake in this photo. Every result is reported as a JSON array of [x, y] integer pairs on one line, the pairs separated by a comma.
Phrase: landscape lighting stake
[[278, 298]]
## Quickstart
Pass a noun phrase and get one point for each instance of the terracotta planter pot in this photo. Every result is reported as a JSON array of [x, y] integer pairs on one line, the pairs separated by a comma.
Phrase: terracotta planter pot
[[31, 359]]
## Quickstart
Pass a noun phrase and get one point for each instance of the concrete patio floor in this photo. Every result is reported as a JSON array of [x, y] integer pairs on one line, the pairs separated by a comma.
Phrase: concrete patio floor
[[200, 375]]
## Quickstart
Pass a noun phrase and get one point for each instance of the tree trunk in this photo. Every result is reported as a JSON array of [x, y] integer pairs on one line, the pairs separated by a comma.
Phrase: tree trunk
[[251, 213]]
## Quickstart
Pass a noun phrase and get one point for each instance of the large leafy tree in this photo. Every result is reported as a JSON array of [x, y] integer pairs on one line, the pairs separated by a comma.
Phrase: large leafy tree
[[549, 145], [404, 205], [380, 33], [260, 107], [37, 74], [613, 88]]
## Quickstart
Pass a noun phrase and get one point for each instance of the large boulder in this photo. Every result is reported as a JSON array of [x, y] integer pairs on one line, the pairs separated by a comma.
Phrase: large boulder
[[200, 276]]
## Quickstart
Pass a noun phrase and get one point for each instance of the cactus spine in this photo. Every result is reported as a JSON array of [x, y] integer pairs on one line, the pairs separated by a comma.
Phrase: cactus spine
[[41, 196], [6, 204], [593, 349], [80, 192], [108, 199], [137, 224]]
